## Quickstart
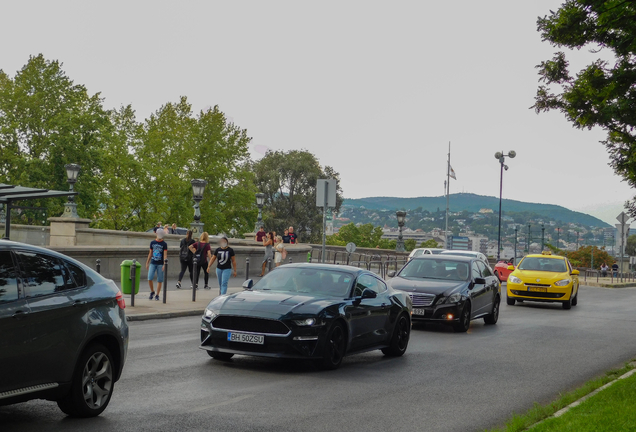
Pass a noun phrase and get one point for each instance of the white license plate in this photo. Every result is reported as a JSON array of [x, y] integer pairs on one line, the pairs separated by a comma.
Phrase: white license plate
[[419, 312], [246, 338]]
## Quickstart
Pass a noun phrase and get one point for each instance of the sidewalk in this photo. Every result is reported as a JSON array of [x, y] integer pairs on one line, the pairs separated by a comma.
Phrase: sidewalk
[[178, 301], [607, 282]]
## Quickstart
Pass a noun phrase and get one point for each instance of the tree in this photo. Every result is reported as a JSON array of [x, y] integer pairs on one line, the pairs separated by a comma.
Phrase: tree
[[410, 244], [47, 121], [288, 180], [431, 243], [630, 245], [604, 93]]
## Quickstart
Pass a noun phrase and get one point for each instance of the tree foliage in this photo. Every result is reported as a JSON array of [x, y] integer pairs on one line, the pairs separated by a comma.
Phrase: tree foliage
[[603, 94], [288, 180], [431, 243], [630, 245]]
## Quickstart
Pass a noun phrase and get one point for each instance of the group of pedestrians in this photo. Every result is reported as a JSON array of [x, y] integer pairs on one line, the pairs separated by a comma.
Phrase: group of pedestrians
[[167, 229], [605, 268], [275, 245]]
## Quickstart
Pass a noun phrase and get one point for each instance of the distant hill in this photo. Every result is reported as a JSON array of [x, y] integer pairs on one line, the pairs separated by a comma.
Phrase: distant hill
[[474, 203]]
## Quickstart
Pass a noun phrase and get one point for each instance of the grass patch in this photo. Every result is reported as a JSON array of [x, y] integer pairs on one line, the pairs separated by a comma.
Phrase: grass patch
[[541, 412]]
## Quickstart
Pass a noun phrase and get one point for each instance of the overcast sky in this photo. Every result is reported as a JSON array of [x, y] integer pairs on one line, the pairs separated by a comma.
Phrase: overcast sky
[[374, 89]]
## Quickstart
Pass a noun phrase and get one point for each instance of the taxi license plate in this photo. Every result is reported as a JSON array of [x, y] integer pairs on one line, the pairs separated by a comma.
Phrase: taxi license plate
[[246, 338], [538, 289], [419, 312]]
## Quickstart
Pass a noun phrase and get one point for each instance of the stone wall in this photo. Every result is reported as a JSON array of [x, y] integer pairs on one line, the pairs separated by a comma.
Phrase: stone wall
[[30, 234]]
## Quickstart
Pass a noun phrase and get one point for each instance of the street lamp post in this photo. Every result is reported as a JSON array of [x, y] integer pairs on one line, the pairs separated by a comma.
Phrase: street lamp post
[[198, 186], [542, 237], [502, 158], [558, 232], [529, 239], [260, 200], [401, 217], [577, 240], [516, 229], [70, 208]]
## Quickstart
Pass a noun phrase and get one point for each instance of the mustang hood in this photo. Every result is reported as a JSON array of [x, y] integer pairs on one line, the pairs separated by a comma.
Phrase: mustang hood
[[273, 305], [430, 286]]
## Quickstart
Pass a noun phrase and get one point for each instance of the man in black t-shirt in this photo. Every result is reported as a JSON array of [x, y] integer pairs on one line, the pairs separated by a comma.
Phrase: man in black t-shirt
[[293, 238], [286, 238]]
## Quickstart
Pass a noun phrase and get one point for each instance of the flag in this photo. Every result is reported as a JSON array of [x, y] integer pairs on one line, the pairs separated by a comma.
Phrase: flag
[[451, 172]]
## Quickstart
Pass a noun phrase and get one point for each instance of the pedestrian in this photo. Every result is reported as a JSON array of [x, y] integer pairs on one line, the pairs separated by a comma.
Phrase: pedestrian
[[226, 264], [286, 237], [202, 254], [174, 229], [268, 242], [293, 238], [615, 269], [155, 264], [185, 257], [156, 227], [260, 235], [604, 269], [280, 253]]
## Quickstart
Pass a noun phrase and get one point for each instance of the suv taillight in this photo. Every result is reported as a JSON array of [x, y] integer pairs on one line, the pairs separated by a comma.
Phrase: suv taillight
[[121, 302]]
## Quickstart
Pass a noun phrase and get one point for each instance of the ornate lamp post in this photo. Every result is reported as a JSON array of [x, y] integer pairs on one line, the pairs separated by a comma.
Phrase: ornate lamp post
[[502, 158], [260, 201], [401, 217], [70, 208], [198, 186]]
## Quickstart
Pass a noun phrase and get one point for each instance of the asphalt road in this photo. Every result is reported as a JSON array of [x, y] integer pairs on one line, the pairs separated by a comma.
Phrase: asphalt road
[[445, 382]]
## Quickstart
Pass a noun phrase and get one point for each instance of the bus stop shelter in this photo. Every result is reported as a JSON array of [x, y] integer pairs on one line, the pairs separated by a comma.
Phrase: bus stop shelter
[[12, 193]]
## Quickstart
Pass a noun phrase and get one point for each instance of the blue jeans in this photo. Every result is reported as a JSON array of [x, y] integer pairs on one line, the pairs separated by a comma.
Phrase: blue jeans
[[155, 268], [224, 277]]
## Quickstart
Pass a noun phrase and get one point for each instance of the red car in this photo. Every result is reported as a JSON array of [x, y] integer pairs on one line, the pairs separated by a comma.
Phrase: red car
[[501, 270]]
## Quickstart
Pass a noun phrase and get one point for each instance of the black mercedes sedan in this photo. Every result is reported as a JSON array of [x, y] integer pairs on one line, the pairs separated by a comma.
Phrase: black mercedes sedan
[[309, 311], [450, 289]]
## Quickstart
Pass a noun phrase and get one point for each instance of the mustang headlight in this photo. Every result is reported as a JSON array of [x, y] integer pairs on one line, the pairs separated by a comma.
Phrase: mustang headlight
[[307, 322], [454, 298], [210, 314], [563, 282], [514, 279]]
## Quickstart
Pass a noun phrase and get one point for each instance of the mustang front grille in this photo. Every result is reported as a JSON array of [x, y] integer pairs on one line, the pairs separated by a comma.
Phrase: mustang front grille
[[249, 324]]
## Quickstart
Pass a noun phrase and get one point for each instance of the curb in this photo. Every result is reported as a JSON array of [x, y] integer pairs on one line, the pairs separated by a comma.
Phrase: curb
[[164, 315], [577, 402], [609, 285]]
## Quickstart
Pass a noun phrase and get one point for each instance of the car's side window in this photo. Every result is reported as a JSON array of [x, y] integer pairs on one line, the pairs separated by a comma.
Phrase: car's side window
[[363, 282], [8, 280], [380, 286], [476, 272], [42, 274], [77, 273], [485, 271]]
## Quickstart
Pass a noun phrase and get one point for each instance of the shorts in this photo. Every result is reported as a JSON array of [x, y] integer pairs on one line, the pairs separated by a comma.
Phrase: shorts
[[155, 268]]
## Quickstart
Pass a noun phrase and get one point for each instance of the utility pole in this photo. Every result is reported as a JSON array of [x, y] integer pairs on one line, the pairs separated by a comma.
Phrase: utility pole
[[529, 240], [516, 229], [542, 237]]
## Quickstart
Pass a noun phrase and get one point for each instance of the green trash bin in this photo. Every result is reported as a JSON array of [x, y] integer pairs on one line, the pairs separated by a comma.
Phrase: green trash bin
[[126, 282]]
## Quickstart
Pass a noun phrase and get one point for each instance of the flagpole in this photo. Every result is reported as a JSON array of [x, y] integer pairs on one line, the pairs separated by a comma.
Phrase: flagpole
[[447, 196]]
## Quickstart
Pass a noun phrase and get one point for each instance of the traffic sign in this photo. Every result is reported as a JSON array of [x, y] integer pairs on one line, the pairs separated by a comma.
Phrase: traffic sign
[[350, 248], [622, 218]]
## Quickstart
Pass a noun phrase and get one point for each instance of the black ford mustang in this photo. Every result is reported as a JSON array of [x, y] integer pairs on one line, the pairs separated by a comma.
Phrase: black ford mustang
[[309, 311], [450, 289]]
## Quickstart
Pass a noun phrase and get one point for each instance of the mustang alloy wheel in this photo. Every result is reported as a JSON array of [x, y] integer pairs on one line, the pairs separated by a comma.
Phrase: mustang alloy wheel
[[400, 338], [334, 347]]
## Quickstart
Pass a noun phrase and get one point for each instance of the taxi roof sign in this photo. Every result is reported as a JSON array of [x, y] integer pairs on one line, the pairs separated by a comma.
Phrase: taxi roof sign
[[546, 252]]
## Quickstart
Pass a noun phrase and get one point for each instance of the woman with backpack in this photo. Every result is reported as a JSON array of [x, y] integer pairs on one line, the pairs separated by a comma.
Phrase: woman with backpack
[[226, 259], [185, 257], [202, 252]]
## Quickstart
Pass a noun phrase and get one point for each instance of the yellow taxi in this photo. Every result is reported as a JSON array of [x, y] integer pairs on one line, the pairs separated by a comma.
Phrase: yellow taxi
[[544, 278]]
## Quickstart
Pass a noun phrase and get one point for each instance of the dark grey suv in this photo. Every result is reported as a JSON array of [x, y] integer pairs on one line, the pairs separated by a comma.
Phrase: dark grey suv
[[63, 331]]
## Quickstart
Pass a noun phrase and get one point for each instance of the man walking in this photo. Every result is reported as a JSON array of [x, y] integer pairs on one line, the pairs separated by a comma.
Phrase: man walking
[[157, 256]]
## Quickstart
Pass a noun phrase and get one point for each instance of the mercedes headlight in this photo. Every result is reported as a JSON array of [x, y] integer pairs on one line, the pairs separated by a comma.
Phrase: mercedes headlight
[[514, 279], [454, 298], [563, 282]]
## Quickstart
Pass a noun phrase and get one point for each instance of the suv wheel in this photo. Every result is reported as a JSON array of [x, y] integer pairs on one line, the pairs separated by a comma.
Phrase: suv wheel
[[92, 385]]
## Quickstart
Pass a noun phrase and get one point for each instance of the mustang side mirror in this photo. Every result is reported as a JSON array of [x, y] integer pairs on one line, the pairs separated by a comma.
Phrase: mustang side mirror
[[368, 294], [575, 273], [391, 273], [248, 284], [480, 281], [511, 267]]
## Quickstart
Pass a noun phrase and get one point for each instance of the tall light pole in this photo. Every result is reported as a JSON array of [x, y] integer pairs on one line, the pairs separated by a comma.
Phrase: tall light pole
[[502, 158], [528, 239], [70, 208], [198, 186], [577, 240], [558, 232], [401, 217], [542, 237], [260, 201], [516, 229]]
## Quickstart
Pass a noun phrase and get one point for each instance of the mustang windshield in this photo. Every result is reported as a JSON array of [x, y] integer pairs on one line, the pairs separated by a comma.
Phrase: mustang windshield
[[543, 264], [445, 269], [319, 282]]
